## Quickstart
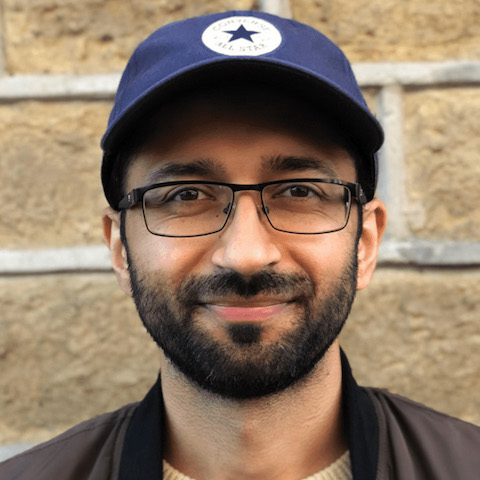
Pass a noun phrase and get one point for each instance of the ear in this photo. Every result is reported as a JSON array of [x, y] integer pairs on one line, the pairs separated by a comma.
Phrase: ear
[[374, 222], [118, 253]]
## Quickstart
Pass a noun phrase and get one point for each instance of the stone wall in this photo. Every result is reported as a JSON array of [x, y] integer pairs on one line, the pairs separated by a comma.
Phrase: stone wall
[[71, 345]]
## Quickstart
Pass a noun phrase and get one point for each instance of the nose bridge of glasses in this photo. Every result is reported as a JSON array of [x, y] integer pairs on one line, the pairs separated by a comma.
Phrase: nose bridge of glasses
[[247, 191]]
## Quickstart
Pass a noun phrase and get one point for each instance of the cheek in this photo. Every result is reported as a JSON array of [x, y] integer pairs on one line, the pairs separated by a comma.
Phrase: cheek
[[172, 258], [323, 258]]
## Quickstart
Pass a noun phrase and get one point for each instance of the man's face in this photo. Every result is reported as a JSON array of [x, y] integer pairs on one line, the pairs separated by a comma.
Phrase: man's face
[[247, 311]]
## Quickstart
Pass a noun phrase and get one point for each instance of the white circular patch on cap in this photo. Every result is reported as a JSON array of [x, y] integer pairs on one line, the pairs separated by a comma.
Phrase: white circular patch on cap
[[242, 36]]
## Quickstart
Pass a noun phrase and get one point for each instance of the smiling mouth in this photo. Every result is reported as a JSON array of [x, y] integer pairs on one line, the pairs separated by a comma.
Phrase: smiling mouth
[[235, 313]]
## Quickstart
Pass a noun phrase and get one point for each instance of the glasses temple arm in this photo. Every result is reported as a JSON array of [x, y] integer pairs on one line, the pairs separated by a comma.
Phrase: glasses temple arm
[[131, 199]]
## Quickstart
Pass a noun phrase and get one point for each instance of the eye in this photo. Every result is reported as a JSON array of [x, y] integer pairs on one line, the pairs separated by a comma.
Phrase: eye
[[186, 194], [298, 191], [301, 190], [189, 194]]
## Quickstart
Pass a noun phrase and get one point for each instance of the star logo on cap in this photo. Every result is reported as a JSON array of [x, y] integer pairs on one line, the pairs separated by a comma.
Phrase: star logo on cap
[[242, 36], [241, 32]]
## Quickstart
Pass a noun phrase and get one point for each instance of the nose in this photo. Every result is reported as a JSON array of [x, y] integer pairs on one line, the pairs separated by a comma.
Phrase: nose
[[246, 243]]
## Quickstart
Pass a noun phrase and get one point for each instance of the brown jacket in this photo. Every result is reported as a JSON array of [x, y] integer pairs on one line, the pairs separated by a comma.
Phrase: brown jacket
[[390, 438]]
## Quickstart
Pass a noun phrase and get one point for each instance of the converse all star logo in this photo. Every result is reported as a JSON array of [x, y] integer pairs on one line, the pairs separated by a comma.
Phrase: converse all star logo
[[242, 36]]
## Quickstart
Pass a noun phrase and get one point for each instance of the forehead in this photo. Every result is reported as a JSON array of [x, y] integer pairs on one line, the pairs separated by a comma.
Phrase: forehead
[[219, 125]]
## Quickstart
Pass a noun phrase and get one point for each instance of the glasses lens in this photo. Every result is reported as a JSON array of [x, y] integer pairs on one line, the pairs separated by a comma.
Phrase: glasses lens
[[307, 207], [186, 210]]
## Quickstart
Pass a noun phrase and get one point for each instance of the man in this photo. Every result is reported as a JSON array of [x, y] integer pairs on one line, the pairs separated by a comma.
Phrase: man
[[240, 169]]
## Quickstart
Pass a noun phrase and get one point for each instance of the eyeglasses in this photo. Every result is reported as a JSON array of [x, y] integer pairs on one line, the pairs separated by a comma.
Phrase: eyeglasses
[[305, 206]]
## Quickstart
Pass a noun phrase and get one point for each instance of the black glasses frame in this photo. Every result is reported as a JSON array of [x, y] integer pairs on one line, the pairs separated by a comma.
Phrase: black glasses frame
[[135, 196]]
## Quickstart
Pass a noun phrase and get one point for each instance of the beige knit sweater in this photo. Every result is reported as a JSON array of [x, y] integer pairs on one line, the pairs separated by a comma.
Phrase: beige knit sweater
[[338, 470]]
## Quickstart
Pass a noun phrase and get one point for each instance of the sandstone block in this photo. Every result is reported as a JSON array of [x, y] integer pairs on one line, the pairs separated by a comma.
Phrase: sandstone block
[[417, 333], [371, 97], [50, 168], [442, 148], [62, 36], [2, 59], [72, 347], [389, 30]]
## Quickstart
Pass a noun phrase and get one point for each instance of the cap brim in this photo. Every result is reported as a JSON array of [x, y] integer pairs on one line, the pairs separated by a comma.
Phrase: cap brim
[[354, 119]]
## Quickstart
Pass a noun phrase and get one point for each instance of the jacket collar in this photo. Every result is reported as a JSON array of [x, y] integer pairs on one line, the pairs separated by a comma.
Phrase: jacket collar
[[142, 455], [361, 426]]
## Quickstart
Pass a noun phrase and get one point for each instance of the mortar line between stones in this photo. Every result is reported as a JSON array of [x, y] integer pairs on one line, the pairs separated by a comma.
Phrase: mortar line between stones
[[281, 8], [426, 74], [406, 74], [392, 170], [413, 252], [9, 450]]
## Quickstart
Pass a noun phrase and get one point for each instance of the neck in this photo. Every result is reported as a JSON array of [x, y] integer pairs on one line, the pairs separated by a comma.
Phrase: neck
[[288, 435]]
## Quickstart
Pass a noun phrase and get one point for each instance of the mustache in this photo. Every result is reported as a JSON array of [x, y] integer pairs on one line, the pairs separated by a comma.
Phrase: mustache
[[199, 288]]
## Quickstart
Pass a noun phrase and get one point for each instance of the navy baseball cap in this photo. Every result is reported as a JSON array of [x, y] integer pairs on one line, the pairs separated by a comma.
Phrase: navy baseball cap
[[247, 45]]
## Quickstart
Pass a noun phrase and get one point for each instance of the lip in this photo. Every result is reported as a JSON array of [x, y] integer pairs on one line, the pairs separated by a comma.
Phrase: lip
[[250, 314]]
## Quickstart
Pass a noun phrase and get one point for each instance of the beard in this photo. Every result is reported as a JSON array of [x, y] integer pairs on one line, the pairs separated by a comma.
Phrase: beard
[[243, 366]]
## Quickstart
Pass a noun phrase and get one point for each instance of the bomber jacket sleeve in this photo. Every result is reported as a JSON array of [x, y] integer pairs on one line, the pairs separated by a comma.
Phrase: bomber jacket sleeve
[[418, 443], [88, 451]]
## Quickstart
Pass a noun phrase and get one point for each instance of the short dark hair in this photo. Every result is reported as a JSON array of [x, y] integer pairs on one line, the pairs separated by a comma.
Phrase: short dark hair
[[126, 153]]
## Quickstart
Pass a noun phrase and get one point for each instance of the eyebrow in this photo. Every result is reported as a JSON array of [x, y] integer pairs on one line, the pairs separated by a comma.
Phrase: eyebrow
[[203, 167], [289, 163], [206, 167]]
